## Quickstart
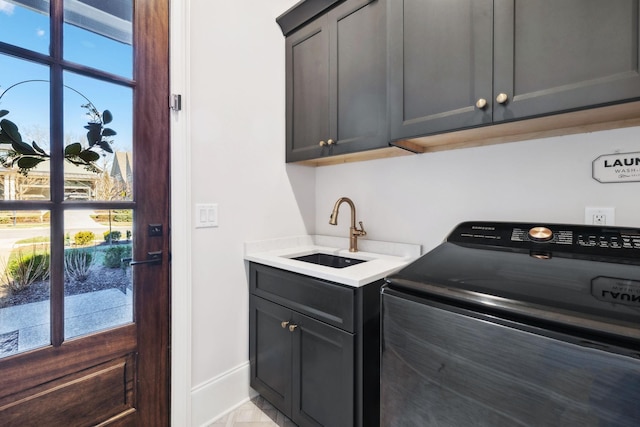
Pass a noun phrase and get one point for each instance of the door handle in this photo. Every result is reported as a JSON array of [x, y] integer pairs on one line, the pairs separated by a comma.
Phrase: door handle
[[154, 258]]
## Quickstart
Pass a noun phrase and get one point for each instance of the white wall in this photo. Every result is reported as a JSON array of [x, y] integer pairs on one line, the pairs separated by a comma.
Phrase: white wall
[[236, 110], [419, 199]]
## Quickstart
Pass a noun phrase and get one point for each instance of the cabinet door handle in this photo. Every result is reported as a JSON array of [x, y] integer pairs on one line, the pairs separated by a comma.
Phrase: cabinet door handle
[[330, 142], [292, 328], [284, 324], [481, 104], [322, 143], [502, 98]]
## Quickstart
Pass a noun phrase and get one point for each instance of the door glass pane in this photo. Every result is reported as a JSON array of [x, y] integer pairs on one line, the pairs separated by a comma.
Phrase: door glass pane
[[25, 23], [97, 282], [85, 103], [24, 96], [98, 33], [24, 281]]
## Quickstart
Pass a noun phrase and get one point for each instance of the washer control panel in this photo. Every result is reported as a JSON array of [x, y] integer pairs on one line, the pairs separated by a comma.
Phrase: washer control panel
[[580, 239]]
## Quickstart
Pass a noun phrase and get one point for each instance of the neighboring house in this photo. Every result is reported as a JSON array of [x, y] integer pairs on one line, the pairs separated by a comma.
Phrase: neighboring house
[[80, 184], [121, 170]]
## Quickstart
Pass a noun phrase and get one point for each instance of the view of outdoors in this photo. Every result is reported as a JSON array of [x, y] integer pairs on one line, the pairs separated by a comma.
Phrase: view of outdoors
[[97, 170], [97, 283]]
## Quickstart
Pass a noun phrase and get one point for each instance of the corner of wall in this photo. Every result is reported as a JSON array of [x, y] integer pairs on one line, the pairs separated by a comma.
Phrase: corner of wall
[[220, 395]]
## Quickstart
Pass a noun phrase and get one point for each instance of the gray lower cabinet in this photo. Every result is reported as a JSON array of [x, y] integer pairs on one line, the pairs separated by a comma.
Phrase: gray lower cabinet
[[314, 347], [336, 82], [466, 63]]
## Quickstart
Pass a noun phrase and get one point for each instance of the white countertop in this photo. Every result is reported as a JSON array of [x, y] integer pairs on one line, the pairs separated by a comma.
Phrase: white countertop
[[383, 258]]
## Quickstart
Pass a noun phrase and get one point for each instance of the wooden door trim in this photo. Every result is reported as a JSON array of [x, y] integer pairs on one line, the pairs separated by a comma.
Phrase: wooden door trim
[[151, 162]]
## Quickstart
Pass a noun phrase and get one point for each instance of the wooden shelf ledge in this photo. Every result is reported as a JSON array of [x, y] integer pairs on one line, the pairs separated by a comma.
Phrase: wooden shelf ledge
[[582, 121]]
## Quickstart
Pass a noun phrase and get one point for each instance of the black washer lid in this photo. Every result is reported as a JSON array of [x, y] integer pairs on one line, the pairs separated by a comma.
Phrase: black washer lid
[[568, 275]]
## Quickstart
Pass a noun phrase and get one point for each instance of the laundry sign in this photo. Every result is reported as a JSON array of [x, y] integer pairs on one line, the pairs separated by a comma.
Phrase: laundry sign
[[621, 167]]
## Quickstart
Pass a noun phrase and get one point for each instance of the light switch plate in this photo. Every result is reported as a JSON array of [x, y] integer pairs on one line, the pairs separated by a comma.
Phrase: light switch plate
[[206, 215]]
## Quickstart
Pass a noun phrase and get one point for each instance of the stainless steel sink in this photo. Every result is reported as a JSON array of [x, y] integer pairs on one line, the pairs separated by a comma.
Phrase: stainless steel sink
[[328, 260]]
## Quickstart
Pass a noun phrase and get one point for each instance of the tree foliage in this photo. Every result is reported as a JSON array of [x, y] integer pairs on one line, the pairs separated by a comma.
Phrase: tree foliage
[[26, 156]]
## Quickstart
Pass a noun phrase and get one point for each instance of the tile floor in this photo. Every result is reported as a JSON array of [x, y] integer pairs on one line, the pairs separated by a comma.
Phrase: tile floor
[[255, 413]]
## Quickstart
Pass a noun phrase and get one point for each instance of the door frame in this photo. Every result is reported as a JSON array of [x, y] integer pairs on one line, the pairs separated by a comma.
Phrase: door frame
[[181, 217]]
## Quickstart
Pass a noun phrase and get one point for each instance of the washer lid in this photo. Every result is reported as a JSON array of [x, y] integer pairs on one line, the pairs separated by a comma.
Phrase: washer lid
[[590, 282]]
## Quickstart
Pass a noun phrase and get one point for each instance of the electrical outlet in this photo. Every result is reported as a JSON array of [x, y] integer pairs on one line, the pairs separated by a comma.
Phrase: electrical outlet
[[599, 216]]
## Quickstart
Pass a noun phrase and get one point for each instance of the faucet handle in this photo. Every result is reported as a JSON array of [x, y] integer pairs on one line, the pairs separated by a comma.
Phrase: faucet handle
[[361, 232]]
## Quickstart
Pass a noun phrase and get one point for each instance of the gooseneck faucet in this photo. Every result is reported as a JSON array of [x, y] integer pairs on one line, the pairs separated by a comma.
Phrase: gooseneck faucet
[[353, 230]]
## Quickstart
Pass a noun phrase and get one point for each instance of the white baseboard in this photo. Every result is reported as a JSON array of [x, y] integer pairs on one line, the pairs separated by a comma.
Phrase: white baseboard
[[213, 399]]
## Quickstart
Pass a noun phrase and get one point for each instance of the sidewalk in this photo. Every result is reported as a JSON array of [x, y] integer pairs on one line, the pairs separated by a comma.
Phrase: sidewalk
[[25, 327], [81, 219]]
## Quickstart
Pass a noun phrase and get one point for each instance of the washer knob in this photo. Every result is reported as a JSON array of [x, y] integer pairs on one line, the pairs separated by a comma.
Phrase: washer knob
[[540, 234]]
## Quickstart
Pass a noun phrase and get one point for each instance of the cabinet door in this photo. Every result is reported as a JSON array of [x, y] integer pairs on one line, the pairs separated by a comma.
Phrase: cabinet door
[[336, 82], [307, 88], [270, 352], [440, 65], [358, 93], [323, 374], [554, 55]]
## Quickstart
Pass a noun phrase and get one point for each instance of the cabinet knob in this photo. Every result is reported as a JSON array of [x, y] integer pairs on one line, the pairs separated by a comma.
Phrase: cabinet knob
[[292, 328], [284, 324], [502, 98], [331, 142], [481, 103], [322, 143]]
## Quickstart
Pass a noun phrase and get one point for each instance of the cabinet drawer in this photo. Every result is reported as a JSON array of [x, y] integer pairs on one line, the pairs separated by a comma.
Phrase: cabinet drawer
[[319, 299]]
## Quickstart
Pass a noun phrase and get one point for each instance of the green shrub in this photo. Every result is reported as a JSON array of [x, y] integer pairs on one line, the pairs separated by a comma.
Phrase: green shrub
[[83, 238], [77, 264], [128, 234], [114, 254], [22, 270], [112, 236], [123, 215]]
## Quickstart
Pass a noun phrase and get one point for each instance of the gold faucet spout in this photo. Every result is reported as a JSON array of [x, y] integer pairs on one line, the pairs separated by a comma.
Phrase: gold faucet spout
[[354, 232]]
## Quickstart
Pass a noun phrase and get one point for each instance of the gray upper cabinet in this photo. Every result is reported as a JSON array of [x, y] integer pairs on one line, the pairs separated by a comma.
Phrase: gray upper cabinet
[[336, 82], [553, 56], [463, 63], [307, 63], [440, 65]]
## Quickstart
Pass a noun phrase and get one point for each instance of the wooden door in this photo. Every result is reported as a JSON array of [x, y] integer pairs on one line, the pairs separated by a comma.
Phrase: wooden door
[[555, 56], [92, 347], [440, 65]]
